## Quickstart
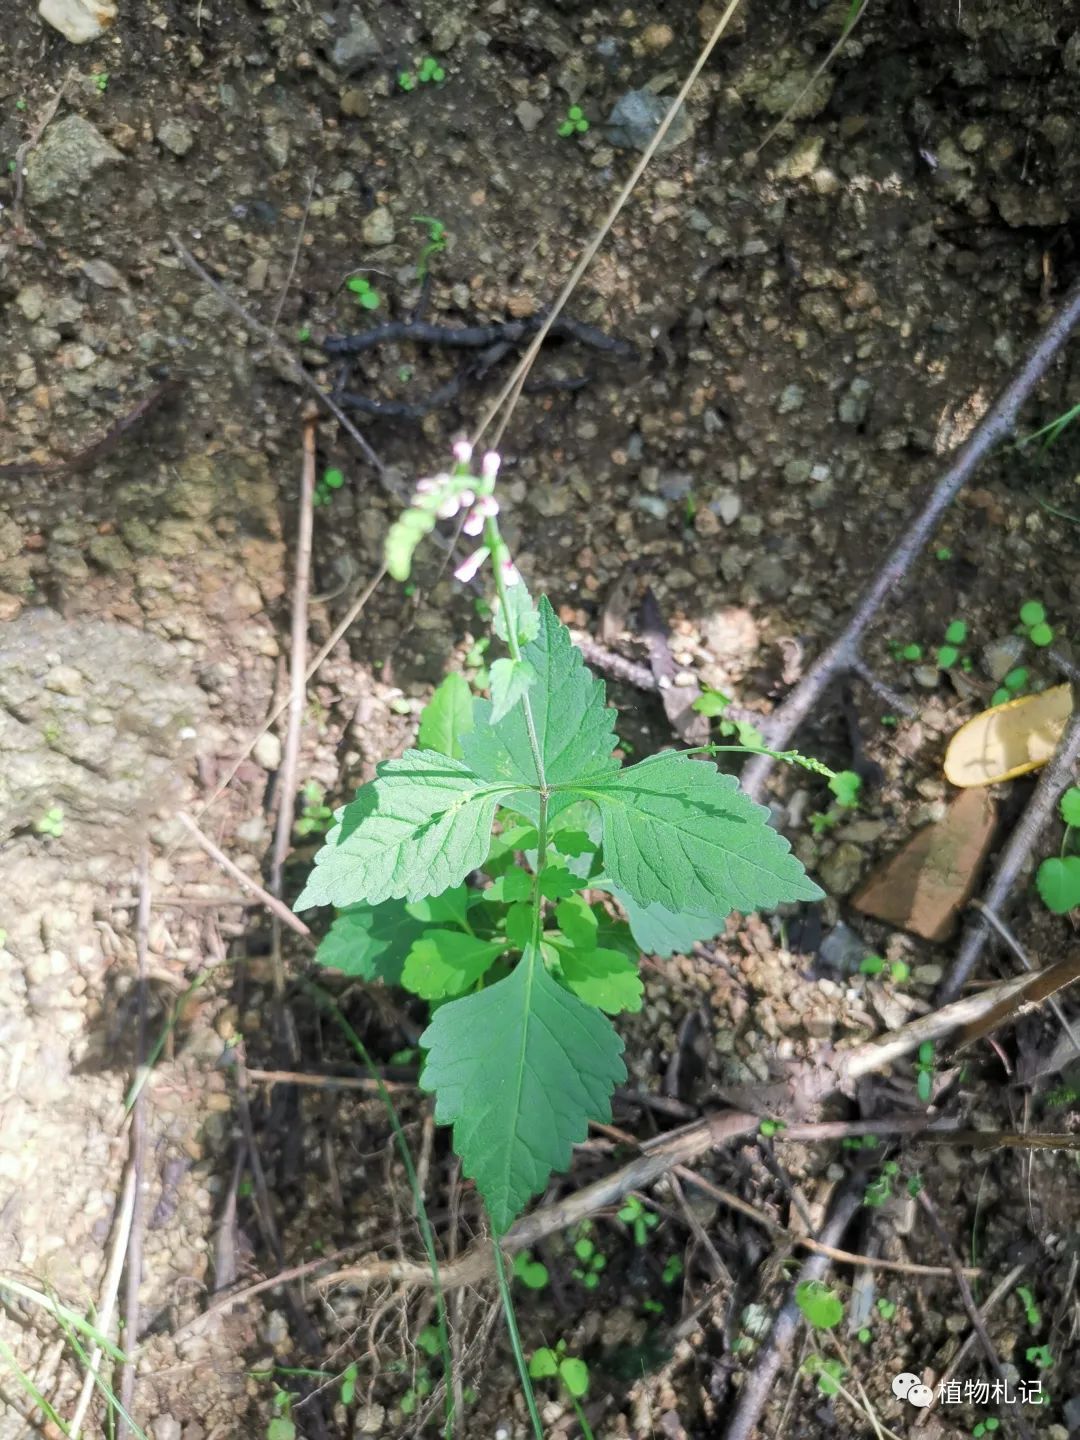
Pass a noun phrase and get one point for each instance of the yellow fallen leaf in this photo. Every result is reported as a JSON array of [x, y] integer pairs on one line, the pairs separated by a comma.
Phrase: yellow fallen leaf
[[1009, 740]]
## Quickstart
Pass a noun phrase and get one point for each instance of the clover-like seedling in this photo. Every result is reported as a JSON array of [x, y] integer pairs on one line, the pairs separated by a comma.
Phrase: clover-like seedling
[[641, 1221], [1033, 620], [431, 72], [1058, 878], [101, 82], [574, 124], [673, 1268], [828, 1373], [1039, 1355], [590, 1261], [52, 822], [406, 80], [316, 816], [532, 1274], [986, 1427], [769, 1128], [880, 1190], [330, 480], [886, 1308], [367, 297]]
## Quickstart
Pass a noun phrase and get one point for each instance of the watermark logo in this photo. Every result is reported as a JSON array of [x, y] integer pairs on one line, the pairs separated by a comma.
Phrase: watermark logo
[[910, 1388]]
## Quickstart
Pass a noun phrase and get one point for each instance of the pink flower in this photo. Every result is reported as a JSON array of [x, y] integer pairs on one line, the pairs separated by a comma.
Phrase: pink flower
[[468, 568], [462, 452], [489, 466], [511, 574]]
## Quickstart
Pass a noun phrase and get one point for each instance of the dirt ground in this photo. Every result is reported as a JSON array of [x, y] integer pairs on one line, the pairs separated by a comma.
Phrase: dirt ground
[[807, 330]]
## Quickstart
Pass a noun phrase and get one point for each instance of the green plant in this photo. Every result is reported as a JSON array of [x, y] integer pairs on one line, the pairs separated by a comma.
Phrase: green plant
[[524, 789], [101, 81], [713, 704], [821, 1306], [281, 1425], [52, 822], [673, 1268], [547, 1364], [828, 1372], [899, 970], [315, 816], [367, 297], [880, 1190], [436, 242], [303, 335], [1033, 620], [590, 1261], [1058, 878], [769, 1128], [575, 122], [430, 72], [640, 1220], [532, 1274], [1031, 1310], [985, 1427], [1039, 1355], [886, 1308], [328, 482], [846, 785], [924, 1071]]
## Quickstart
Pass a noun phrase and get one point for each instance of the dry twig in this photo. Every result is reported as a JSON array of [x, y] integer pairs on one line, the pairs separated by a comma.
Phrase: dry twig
[[843, 654]]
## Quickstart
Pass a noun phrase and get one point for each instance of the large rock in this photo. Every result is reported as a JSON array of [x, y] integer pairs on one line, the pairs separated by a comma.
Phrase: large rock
[[68, 158], [636, 117], [925, 885], [78, 20], [357, 46]]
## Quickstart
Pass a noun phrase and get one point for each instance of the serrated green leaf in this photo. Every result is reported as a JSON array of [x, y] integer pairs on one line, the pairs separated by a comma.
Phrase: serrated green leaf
[[1070, 806], [711, 703], [521, 615], [574, 843], [1058, 883], [370, 941], [574, 728], [447, 716], [604, 978], [556, 881], [845, 785], [577, 922], [452, 905], [417, 829], [509, 681], [444, 963], [519, 1070], [512, 886], [660, 931], [680, 834]]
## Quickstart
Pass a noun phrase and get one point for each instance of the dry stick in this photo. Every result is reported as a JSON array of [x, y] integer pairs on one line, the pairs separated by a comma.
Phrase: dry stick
[[1000, 1290], [290, 755], [107, 1303], [804, 1242], [296, 251], [996, 425], [973, 1311], [272, 903], [279, 710], [295, 370], [1005, 934], [133, 1278], [759, 1382], [513, 387], [1055, 778]]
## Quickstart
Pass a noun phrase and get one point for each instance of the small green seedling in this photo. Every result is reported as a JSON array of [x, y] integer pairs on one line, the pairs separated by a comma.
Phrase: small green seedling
[[329, 481], [821, 1305], [985, 1427], [1031, 1310], [436, 242], [769, 1128], [316, 816], [1033, 620], [20, 104], [828, 1372], [641, 1221], [943, 553], [590, 1262], [899, 970], [101, 81], [366, 295], [924, 1070], [428, 1342], [551, 1364], [574, 124], [51, 823], [1039, 1355], [673, 1268], [846, 785], [1058, 878], [430, 72], [532, 1274], [303, 335], [886, 1308], [281, 1426], [713, 704], [865, 1335], [914, 1185], [348, 1384], [879, 1191]]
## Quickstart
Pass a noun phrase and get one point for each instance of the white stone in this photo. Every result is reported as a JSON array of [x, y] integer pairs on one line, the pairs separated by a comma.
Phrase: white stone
[[78, 20]]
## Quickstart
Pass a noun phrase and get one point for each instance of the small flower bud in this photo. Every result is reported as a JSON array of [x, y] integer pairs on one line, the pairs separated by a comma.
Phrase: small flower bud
[[474, 523], [468, 568], [462, 452], [489, 466]]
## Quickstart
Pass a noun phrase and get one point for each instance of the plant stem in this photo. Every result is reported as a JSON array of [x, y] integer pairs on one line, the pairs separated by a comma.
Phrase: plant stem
[[515, 1340], [497, 546], [426, 1232]]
